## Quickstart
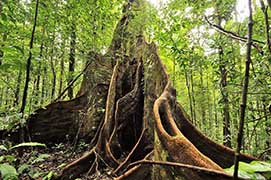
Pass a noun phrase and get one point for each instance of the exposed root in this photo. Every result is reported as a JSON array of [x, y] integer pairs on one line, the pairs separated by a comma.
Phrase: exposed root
[[203, 172], [138, 171], [220, 154], [129, 157]]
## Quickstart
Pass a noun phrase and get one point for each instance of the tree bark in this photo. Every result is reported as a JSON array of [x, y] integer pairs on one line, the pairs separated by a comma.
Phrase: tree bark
[[191, 78], [72, 58], [187, 83], [202, 103], [52, 65], [225, 99], [267, 128], [18, 88], [269, 3], [267, 28], [62, 69], [28, 63], [43, 85]]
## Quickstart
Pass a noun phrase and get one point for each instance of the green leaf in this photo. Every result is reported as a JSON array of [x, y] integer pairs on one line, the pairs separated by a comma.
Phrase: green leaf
[[2, 147], [5, 66], [10, 158], [44, 156], [260, 166], [61, 165], [252, 170], [8, 172], [41, 158], [24, 168], [35, 175], [19, 49], [4, 17], [49, 176], [28, 144], [246, 175]]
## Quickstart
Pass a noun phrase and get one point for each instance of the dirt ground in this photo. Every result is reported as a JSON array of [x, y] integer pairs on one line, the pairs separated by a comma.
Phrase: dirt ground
[[41, 163]]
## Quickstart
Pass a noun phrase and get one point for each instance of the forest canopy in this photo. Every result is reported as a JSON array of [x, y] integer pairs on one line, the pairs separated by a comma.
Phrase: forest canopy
[[106, 78]]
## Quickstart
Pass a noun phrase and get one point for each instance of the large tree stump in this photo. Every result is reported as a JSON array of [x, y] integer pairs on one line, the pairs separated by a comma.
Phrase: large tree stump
[[127, 108]]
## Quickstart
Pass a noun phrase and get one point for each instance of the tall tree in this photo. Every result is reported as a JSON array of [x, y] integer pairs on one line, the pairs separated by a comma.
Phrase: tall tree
[[244, 92], [28, 63], [223, 63], [72, 57]]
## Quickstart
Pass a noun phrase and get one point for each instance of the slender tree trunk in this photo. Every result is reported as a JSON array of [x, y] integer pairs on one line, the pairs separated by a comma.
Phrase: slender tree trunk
[[210, 114], [244, 92], [2, 96], [187, 83], [193, 96], [72, 58], [225, 99], [37, 93], [62, 69], [264, 9], [202, 103], [269, 3], [28, 68], [7, 95], [192, 92], [32, 97], [43, 85], [267, 127], [52, 65], [18, 88], [28, 63], [257, 140], [224, 91], [174, 72], [215, 108]]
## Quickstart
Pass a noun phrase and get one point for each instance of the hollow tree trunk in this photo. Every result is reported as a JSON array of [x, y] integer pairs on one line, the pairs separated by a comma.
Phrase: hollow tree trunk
[[127, 108]]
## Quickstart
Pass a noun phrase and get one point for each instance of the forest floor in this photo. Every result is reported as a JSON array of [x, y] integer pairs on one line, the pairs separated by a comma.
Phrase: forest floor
[[41, 163]]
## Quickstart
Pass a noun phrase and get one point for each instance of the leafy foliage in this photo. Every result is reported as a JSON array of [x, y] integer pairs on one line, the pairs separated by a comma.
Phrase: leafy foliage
[[8, 172], [28, 144], [256, 170]]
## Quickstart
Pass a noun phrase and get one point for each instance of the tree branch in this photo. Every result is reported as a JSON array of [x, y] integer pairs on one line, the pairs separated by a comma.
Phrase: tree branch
[[260, 118], [70, 84], [255, 43]]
